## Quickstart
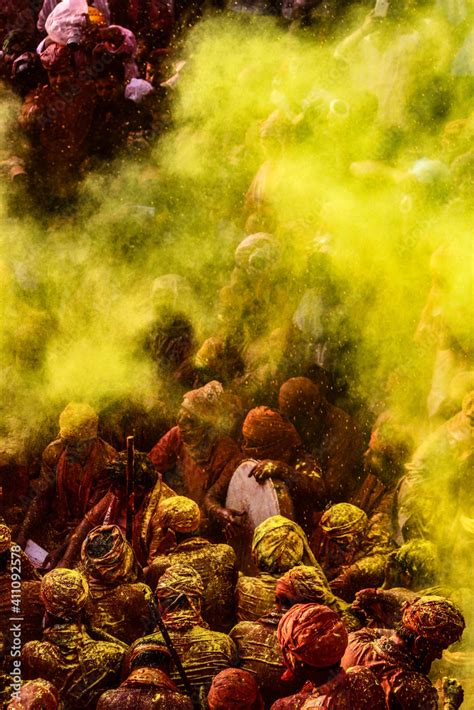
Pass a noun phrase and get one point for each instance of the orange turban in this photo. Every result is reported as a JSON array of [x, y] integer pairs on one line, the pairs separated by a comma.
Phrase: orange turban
[[312, 634]]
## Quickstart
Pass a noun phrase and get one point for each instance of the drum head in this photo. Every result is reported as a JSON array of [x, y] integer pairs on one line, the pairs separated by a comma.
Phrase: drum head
[[258, 501]]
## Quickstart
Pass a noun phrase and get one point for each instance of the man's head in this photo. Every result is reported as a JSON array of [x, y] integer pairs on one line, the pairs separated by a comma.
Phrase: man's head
[[64, 593], [199, 414], [303, 584], [415, 565], [279, 544], [107, 557], [345, 525], [36, 695], [390, 447], [146, 653], [179, 514], [180, 588], [428, 627], [78, 422], [145, 475], [268, 435], [234, 689], [300, 398], [312, 640], [56, 59]]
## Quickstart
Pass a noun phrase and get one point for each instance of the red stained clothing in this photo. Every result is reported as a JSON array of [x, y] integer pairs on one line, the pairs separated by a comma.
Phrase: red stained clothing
[[143, 689], [58, 124], [260, 654], [296, 701], [358, 688], [186, 477], [393, 668]]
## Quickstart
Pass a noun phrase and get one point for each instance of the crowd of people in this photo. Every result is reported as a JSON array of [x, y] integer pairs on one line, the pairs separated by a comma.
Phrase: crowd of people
[[268, 539]]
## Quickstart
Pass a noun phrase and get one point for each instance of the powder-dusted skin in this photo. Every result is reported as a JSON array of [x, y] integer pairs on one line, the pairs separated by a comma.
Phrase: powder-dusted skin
[[218, 569], [79, 667]]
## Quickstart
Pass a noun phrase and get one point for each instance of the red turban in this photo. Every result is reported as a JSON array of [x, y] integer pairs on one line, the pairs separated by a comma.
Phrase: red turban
[[434, 618], [303, 585], [36, 695], [205, 403], [312, 634], [56, 58], [268, 435], [234, 688], [298, 396]]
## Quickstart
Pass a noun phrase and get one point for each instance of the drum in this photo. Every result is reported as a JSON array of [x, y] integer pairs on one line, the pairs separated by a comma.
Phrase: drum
[[258, 501]]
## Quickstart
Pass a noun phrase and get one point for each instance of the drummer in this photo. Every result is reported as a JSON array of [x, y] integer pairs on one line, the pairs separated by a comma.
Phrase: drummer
[[276, 445]]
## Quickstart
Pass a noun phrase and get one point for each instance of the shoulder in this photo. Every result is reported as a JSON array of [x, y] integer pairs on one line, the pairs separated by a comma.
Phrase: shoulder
[[106, 449], [52, 452], [242, 629], [222, 552], [411, 689], [107, 651]]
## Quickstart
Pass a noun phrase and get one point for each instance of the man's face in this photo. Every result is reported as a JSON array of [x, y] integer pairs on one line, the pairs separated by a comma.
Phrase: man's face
[[59, 80], [425, 652]]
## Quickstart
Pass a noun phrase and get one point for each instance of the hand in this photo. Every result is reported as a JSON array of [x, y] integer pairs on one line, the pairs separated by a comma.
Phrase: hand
[[453, 693], [230, 520], [269, 469]]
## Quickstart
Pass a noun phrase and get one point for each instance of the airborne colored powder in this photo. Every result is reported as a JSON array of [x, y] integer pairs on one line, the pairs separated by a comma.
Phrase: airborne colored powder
[[349, 152]]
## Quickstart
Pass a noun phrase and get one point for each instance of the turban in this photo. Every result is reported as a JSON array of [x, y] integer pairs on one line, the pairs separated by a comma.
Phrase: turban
[[107, 556], [279, 544], [115, 41], [56, 58], [143, 470], [268, 435], [96, 17], [298, 396], [78, 421], [411, 691], [256, 251], [236, 689], [36, 695], [179, 514], [204, 403], [312, 634], [5, 538], [419, 558], [64, 592], [434, 618], [145, 646], [180, 581], [343, 519], [304, 585]]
